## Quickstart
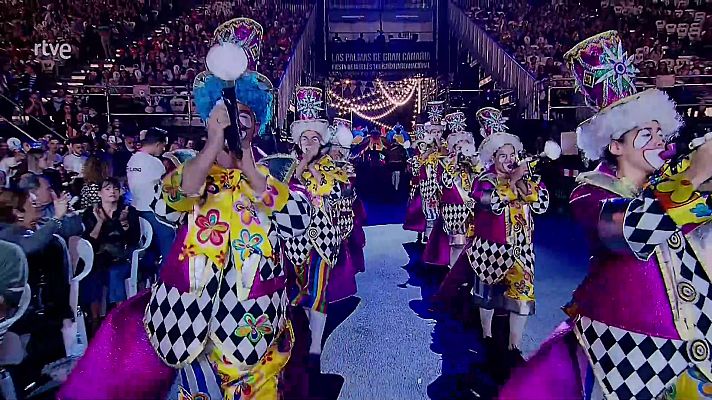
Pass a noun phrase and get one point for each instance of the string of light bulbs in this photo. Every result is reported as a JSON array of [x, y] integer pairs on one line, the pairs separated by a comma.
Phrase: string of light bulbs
[[391, 102], [406, 89]]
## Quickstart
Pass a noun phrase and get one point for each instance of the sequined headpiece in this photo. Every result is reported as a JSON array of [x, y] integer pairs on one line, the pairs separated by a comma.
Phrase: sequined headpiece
[[605, 74]]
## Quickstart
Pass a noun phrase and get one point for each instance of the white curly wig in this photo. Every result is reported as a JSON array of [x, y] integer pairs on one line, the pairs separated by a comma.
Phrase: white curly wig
[[494, 142], [595, 134]]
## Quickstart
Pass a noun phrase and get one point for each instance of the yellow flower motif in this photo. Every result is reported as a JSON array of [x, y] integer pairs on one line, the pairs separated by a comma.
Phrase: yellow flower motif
[[679, 186]]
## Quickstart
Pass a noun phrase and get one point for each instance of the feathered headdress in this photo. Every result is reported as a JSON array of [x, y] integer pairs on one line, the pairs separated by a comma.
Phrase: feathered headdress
[[232, 61]]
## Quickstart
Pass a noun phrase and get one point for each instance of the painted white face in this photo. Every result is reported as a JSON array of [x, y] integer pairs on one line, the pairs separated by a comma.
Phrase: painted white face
[[641, 148], [649, 140]]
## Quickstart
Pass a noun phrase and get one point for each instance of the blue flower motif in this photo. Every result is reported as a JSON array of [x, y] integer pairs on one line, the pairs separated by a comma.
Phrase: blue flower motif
[[701, 211]]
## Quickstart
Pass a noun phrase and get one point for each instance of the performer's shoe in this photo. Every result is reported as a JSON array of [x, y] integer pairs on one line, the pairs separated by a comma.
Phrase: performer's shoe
[[514, 358], [313, 366], [490, 347]]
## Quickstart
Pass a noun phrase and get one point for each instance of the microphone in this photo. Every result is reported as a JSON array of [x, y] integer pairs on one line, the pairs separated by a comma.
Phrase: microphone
[[233, 133]]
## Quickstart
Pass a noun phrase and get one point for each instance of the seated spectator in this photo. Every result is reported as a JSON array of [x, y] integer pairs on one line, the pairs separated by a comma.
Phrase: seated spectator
[[95, 171], [113, 229], [47, 278], [10, 165], [74, 161], [44, 199], [53, 156]]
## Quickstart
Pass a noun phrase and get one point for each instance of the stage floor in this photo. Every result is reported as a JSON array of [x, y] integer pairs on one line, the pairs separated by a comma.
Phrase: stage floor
[[387, 345]]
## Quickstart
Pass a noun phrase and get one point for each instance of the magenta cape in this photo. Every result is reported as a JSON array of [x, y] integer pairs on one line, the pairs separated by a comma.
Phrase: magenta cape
[[120, 363], [437, 250], [414, 216], [554, 372]]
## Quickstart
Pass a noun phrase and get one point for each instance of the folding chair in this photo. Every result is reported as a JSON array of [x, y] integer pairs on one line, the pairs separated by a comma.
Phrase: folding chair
[[144, 242]]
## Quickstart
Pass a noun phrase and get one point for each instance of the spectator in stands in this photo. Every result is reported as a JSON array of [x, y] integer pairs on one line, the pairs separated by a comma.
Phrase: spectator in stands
[[35, 107], [95, 171], [19, 215], [53, 156], [74, 161], [144, 173], [43, 198], [10, 165], [121, 157], [113, 229]]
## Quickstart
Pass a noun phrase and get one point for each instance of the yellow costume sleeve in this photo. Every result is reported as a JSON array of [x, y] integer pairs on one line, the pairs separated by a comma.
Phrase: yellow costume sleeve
[[682, 203], [173, 194]]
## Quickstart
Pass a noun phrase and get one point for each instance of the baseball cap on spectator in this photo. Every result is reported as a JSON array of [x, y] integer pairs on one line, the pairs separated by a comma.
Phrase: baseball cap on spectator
[[14, 144]]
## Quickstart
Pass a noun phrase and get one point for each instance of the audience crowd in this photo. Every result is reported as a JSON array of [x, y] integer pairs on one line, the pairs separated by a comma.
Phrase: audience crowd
[[538, 33]]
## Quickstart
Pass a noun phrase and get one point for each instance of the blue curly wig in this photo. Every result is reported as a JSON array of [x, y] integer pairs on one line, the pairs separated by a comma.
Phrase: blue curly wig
[[251, 89]]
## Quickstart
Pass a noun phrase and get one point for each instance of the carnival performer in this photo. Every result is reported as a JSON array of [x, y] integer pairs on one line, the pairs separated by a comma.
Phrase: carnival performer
[[351, 256], [217, 317], [431, 152], [414, 216], [639, 324], [501, 252], [454, 177], [315, 253], [460, 171], [350, 217]]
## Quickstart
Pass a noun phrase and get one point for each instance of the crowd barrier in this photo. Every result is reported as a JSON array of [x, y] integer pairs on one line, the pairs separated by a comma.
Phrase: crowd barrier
[[495, 60]]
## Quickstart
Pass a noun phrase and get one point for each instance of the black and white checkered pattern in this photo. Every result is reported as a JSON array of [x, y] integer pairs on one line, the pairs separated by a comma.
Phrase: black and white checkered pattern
[[646, 226], [631, 365], [324, 236], [294, 218], [343, 215], [414, 190], [542, 204], [178, 323], [414, 165], [490, 260], [447, 178], [497, 204], [429, 188], [164, 212], [297, 249], [455, 218], [230, 313]]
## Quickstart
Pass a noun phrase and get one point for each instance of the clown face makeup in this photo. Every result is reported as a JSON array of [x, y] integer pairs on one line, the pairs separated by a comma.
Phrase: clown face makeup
[[505, 159], [246, 119], [641, 148], [310, 141]]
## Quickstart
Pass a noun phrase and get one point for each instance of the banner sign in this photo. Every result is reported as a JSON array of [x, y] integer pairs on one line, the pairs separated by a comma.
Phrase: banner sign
[[369, 60]]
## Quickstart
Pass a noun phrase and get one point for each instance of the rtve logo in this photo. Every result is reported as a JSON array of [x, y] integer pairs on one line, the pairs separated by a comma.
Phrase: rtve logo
[[61, 50]]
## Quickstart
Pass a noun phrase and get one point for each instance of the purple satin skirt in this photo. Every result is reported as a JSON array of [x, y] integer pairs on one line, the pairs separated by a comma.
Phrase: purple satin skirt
[[342, 278], [414, 216], [437, 250], [556, 371], [120, 362]]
